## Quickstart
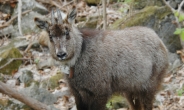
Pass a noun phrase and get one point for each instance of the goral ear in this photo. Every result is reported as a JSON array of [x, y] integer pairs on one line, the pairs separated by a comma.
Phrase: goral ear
[[41, 23], [72, 15]]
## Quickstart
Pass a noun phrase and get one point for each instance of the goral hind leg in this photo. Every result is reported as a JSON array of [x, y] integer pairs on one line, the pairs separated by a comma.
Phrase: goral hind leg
[[134, 101]]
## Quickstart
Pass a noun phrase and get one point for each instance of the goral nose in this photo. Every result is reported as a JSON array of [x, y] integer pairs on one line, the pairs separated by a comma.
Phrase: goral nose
[[61, 55]]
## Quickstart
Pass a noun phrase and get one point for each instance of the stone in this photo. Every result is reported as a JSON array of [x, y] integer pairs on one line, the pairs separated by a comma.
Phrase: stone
[[95, 2], [178, 1], [8, 55], [35, 6], [140, 4], [27, 23], [40, 94], [10, 31], [45, 63], [173, 4], [159, 19], [26, 77], [52, 82], [6, 8]]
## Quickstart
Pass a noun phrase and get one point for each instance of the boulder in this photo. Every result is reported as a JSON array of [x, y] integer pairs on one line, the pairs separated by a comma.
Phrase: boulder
[[52, 82], [140, 4], [39, 94], [26, 77], [27, 21], [159, 19], [8, 55]]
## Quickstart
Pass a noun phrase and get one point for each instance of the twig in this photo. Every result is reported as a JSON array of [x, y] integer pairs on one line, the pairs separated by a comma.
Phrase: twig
[[11, 60], [181, 4], [19, 16], [13, 18], [30, 44], [68, 3], [36, 105]]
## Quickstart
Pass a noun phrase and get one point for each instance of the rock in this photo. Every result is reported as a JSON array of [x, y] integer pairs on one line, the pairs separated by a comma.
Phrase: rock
[[9, 104], [11, 82], [174, 60], [92, 2], [45, 63], [178, 1], [10, 31], [91, 23], [19, 43], [52, 82], [40, 94], [4, 102], [26, 77], [6, 8], [95, 2], [27, 23], [158, 18], [173, 4], [33, 5], [6, 56], [140, 4]]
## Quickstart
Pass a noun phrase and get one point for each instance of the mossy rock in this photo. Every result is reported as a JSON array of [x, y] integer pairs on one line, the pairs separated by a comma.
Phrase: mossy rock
[[4, 102], [91, 23], [20, 43], [95, 2], [8, 55], [7, 104], [116, 102], [52, 83], [142, 18], [26, 77], [140, 4], [92, 2], [155, 17]]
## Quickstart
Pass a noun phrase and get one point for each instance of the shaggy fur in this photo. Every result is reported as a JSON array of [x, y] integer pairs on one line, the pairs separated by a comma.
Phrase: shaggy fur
[[131, 62]]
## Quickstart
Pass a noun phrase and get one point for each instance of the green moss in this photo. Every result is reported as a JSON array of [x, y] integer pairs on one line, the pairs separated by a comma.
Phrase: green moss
[[6, 56], [93, 2], [116, 102], [143, 17], [52, 83], [25, 107], [4, 102], [139, 4]]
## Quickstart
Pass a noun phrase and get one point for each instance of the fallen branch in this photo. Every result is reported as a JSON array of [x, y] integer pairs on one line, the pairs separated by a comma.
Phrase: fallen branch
[[11, 20], [13, 60], [36, 105]]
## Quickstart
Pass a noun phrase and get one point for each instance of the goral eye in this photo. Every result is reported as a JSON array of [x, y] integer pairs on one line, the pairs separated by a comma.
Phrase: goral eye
[[51, 37], [67, 33]]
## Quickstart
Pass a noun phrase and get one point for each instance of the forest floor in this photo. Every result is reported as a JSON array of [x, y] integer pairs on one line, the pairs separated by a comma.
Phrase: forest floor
[[170, 97]]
